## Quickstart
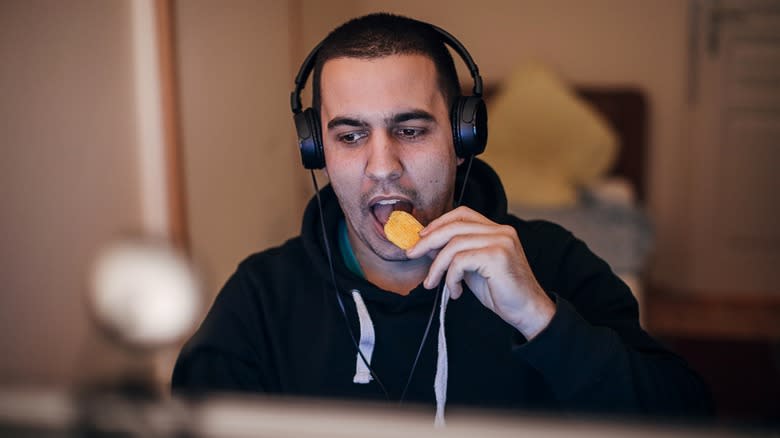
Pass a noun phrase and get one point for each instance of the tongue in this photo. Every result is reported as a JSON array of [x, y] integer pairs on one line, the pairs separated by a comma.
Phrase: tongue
[[382, 212]]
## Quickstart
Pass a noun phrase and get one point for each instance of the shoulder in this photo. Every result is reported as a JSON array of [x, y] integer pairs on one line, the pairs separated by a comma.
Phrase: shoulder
[[540, 237], [561, 261], [290, 253], [260, 277], [257, 288]]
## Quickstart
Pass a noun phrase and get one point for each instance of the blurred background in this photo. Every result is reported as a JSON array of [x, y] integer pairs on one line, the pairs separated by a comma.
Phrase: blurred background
[[171, 119]]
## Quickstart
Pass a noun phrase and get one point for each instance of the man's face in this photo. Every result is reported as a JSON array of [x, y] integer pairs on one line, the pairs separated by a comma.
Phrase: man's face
[[387, 143]]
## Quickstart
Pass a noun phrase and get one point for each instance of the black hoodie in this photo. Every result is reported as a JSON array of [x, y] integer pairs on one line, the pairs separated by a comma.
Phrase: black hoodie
[[276, 327]]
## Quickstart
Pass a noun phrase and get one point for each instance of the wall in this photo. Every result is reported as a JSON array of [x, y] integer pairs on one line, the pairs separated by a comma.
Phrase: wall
[[243, 178], [68, 176], [71, 176]]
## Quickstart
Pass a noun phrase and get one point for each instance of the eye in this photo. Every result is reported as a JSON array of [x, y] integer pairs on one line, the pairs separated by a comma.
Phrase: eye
[[352, 137], [410, 133]]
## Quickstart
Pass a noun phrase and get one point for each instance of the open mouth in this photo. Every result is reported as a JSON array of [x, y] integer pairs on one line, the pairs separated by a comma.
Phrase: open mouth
[[384, 207]]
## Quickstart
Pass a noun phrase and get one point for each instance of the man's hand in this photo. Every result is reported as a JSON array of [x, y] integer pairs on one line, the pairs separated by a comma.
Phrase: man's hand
[[490, 259]]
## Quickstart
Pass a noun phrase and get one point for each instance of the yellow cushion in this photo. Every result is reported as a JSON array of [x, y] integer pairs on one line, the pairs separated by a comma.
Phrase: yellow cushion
[[544, 141]]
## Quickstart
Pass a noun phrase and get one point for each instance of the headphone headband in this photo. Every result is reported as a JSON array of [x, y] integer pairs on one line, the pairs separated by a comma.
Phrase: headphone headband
[[453, 42], [447, 38], [300, 78]]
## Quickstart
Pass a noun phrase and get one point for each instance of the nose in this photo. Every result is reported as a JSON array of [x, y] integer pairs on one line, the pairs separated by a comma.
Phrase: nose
[[384, 161]]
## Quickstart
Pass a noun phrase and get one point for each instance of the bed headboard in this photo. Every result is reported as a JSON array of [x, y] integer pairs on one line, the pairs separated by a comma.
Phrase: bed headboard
[[625, 109]]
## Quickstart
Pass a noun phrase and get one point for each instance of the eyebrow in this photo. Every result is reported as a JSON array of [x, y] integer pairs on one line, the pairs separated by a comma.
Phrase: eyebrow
[[346, 121], [412, 115], [395, 119]]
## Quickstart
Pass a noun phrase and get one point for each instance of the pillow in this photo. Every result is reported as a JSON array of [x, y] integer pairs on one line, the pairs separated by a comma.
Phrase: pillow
[[545, 142]]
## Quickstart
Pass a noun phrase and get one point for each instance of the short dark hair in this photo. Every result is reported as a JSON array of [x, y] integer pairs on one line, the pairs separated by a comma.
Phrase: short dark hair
[[382, 34]]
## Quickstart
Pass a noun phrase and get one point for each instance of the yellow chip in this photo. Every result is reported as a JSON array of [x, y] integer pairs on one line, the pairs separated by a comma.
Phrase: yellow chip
[[402, 229]]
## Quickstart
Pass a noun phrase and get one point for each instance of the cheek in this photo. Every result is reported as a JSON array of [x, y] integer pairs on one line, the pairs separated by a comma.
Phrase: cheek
[[439, 169], [337, 168], [343, 180]]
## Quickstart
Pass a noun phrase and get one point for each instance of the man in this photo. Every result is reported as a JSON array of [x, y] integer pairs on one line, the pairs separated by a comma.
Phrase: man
[[536, 322]]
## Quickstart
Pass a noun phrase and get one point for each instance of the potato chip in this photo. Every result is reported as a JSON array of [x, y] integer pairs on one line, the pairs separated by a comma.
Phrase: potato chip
[[402, 229]]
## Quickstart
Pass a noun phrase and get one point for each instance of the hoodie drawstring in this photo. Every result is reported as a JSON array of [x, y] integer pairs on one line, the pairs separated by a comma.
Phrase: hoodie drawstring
[[442, 366], [362, 373], [366, 345]]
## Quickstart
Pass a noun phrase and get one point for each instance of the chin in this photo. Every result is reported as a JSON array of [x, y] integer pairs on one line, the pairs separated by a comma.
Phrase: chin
[[391, 254]]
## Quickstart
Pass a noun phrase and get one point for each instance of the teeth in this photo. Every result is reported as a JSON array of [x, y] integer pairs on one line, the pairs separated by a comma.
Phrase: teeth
[[388, 202]]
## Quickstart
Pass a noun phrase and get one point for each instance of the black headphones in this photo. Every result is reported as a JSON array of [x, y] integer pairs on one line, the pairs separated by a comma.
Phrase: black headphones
[[468, 115]]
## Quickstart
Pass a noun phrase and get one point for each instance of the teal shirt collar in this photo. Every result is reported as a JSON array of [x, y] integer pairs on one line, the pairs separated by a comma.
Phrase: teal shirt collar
[[346, 251]]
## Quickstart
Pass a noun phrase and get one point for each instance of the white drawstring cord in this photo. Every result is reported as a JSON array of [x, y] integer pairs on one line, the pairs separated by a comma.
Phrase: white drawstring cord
[[442, 368], [362, 373]]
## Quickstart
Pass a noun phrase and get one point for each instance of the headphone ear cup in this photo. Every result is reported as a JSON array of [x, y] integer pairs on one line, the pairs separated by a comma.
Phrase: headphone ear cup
[[469, 126], [307, 126]]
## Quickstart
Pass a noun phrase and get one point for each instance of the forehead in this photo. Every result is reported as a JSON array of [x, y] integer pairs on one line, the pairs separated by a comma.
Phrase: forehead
[[350, 85]]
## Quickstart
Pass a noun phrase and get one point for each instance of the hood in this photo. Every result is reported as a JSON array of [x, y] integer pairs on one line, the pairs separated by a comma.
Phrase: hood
[[484, 193]]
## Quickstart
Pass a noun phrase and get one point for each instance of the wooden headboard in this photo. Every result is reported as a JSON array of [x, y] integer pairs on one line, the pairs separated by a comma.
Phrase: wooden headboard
[[625, 109]]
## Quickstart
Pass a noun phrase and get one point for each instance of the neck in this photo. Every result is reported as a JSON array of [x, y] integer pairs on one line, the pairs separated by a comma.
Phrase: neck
[[395, 276], [398, 277]]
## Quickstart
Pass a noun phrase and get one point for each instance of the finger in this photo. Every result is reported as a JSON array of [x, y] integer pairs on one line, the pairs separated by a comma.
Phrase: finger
[[463, 243], [452, 294], [411, 253], [443, 234], [462, 214], [465, 264]]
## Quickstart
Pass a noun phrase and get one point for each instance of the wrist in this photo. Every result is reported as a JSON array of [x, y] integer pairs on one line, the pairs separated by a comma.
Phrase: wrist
[[536, 316]]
